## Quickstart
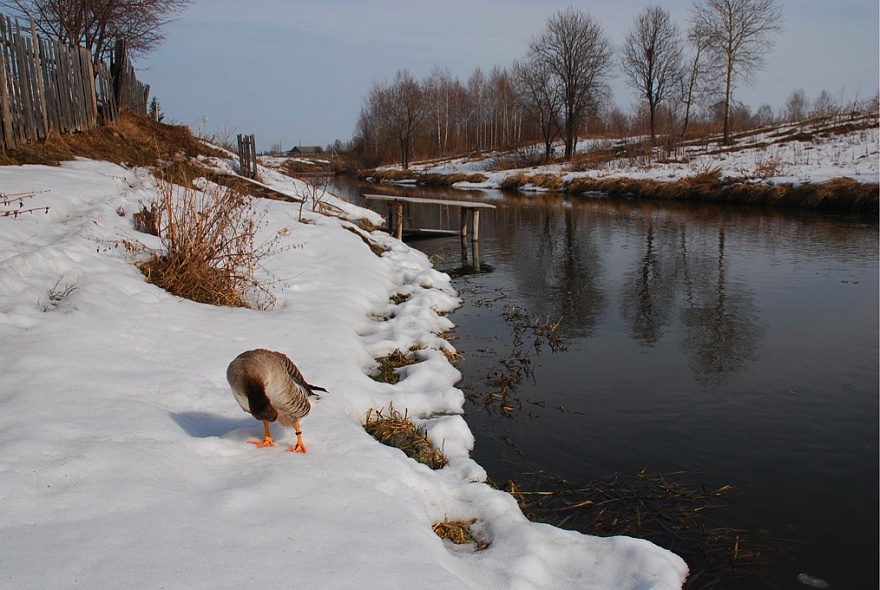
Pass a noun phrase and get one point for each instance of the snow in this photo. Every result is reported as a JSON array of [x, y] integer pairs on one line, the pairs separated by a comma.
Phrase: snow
[[795, 153], [125, 460]]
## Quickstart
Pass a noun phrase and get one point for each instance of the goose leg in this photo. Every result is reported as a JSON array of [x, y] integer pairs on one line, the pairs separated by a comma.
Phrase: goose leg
[[267, 441], [299, 447]]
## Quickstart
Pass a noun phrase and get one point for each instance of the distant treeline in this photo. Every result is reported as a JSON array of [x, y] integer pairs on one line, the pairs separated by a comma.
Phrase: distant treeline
[[558, 91]]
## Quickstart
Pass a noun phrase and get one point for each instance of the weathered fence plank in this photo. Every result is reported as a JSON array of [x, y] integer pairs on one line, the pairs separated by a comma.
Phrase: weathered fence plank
[[247, 155], [46, 86]]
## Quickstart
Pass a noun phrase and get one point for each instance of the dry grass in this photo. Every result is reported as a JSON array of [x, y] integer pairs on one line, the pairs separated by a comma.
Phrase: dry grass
[[132, 141], [546, 181], [426, 178], [840, 194], [210, 250], [399, 298], [386, 175], [459, 532], [434, 179], [451, 355], [387, 371], [397, 430], [296, 167], [375, 248]]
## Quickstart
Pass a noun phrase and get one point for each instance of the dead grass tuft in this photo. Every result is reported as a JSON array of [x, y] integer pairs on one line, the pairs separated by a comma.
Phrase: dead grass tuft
[[374, 247], [387, 371], [397, 430], [460, 533], [399, 298], [514, 182]]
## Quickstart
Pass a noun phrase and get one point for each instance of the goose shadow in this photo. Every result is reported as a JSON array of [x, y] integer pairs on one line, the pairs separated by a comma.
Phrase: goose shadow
[[202, 425]]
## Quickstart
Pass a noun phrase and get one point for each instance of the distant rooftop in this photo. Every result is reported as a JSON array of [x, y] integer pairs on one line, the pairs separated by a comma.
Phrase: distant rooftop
[[306, 150]]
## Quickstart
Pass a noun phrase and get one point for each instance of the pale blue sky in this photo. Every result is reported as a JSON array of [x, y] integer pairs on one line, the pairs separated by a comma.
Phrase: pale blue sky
[[297, 72]]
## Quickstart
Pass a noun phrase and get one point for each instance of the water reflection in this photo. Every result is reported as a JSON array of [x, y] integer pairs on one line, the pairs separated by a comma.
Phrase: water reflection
[[665, 272], [721, 322], [773, 312]]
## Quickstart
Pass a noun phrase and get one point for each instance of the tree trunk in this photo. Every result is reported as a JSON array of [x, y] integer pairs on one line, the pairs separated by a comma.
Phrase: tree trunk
[[728, 98]]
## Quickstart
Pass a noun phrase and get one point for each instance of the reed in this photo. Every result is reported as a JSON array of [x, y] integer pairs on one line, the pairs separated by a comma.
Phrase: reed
[[666, 509]]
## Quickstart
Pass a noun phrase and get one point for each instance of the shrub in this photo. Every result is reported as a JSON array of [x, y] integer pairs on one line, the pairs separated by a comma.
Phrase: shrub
[[210, 250]]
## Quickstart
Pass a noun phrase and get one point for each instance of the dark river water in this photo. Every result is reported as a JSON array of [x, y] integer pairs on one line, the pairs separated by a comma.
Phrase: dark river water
[[738, 345]]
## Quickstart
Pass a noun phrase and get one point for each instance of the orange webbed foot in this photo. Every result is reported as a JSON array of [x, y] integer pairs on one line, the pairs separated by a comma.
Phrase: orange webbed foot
[[298, 448], [260, 444]]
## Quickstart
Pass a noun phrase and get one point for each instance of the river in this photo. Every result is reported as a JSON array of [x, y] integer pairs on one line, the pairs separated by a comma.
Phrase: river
[[736, 345]]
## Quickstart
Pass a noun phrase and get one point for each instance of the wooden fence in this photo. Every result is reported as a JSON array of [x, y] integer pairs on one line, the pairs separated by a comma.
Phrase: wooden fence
[[47, 87], [247, 156]]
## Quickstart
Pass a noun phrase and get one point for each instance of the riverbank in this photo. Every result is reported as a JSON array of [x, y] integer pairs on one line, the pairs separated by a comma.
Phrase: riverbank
[[126, 456], [827, 164]]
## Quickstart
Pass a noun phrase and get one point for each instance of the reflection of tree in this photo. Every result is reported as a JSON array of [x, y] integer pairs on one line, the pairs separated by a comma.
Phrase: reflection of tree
[[561, 273], [721, 330], [649, 292]]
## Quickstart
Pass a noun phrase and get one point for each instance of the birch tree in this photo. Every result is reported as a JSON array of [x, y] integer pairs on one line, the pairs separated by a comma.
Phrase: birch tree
[[738, 34]]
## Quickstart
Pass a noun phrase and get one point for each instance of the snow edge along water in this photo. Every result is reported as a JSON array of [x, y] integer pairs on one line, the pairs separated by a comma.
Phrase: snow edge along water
[[135, 467]]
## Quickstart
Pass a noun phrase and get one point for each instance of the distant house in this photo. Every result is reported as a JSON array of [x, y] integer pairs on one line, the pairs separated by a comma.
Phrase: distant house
[[306, 150]]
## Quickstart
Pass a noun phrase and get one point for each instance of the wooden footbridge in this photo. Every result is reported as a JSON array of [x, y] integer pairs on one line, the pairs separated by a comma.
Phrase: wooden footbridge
[[395, 215]]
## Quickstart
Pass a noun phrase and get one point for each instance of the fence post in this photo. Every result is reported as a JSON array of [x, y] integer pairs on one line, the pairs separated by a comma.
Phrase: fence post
[[247, 155]]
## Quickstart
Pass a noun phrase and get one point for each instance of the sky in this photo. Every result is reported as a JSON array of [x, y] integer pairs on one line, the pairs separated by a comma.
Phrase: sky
[[297, 73]]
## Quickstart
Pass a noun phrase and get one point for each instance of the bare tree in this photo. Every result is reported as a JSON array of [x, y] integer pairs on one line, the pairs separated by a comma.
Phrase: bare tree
[[402, 107], [764, 116], [95, 24], [738, 34], [696, 75], [540, 98], [797, 105], [439, 89], [574, 49], [652, 56], [825, 105]]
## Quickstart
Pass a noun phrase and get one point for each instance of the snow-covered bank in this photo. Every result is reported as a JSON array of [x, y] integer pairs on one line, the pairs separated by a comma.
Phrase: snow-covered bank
[[125, 462], [811, 152]]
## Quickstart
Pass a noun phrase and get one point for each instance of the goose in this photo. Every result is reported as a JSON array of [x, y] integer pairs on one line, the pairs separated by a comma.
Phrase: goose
[[268, 386]]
